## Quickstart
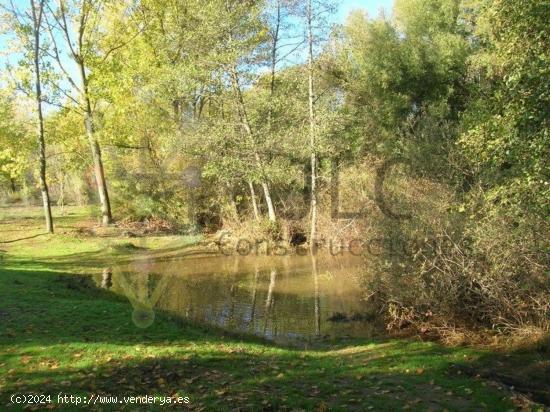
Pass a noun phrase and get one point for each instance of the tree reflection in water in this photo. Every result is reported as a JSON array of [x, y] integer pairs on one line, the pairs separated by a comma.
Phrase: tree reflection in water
[[283, 299]]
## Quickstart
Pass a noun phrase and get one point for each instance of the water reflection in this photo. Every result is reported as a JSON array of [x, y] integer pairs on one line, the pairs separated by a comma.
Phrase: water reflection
[[284, 298], [107, 278], [315, 273]]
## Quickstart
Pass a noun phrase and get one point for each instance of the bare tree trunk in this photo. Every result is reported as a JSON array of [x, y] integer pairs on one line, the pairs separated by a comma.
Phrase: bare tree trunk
[[313, 200], [248, 130], [269, 201], [254, 203], [37, 22], [107, 217]]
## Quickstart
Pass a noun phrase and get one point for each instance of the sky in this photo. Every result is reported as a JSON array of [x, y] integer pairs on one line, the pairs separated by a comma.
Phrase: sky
[[372, 7]]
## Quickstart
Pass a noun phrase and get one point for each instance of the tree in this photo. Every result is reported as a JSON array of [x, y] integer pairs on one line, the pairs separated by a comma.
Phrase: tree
[[311, 105], [387, 64], [242, 41], [37, 13], [314, 14], [28, 26], [84, 15]]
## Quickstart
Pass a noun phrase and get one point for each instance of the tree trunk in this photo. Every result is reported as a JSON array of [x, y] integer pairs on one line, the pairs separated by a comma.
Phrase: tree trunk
[[265, 187], [269, 201], [254, 203], [99, 172], [313, 199], [37, 20], [248, 130]]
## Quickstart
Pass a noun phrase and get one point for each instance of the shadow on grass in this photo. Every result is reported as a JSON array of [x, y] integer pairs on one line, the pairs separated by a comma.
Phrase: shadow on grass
[[24, 238], [221, 381], [68, 308], [528, 372], [224, 374]]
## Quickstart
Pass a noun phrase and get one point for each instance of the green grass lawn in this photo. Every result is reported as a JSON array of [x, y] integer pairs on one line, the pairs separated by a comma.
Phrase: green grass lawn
[[59, 334]]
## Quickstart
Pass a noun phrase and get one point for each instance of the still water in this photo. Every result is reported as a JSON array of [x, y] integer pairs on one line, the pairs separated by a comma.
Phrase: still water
[[289, 298]]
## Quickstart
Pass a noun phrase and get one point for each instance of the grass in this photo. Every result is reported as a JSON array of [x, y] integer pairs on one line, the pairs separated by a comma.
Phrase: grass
[[59, 334]]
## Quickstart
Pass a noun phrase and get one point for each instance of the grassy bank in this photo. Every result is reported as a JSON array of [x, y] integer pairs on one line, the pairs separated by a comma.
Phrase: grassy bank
[[60, 334]]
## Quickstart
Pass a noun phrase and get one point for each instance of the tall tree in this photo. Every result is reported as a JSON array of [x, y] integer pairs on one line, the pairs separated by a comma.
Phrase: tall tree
[[244, 35], [28, 26], [311, 105], [243, 117], [37, 14], [315, 23], [83, 18]]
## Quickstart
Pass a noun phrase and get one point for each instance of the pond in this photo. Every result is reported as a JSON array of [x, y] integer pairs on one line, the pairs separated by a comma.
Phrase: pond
[[288, 298]]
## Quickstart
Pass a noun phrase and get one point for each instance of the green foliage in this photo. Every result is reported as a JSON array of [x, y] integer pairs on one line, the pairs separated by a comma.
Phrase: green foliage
[[402, 72], [506, 136], [14, 143]]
